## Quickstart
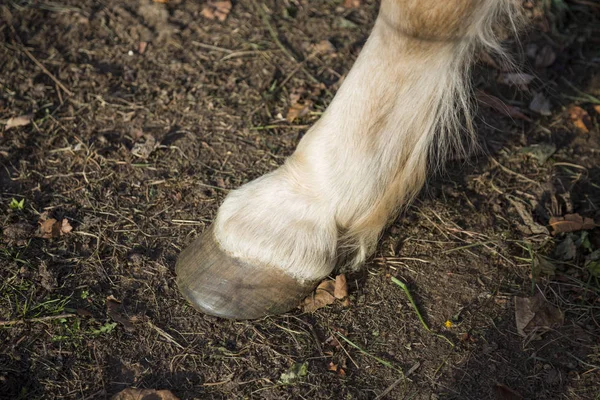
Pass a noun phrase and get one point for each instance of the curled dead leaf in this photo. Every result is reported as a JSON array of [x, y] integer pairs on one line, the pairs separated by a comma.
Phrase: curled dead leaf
[[323, 296], [323, 47], [50, 228], [498, 105], [298, 110], [351, 3], [518, 79], [218, 10], [505, 393], [545, 57], [144, 394], [540, 104], [113, 310], [580, 118], [571, 223], [536, 314], [340, 290], [21, 120]]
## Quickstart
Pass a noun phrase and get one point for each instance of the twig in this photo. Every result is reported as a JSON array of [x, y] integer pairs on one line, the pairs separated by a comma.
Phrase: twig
[[39, 319], [50, 75], [511, 172], [397, 382]]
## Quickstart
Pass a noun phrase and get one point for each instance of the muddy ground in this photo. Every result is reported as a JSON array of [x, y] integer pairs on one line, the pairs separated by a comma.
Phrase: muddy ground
[[144, 115]]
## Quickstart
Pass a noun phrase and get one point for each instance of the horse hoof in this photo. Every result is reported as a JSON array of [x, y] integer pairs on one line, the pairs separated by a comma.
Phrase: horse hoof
[[218, 284]]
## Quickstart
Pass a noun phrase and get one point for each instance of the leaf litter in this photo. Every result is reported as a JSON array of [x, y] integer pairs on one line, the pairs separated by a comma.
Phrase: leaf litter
[[535, 315], [326, 293], [216, 10], [50, 228], [571, 223], [21, 120]]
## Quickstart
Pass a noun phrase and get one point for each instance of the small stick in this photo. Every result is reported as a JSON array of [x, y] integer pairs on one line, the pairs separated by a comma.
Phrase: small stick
[[39, 319], [39, 64]]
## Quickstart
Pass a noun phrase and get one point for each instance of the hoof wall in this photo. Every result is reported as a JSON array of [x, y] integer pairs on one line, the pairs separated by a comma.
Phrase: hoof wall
[[220, 285]]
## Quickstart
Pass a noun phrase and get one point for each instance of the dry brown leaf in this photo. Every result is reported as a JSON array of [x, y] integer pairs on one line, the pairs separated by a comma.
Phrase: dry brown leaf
[[351, 3], [142, 47], [144, 394], [65, 227], [323, 296], [298, 110], [498, 105], [519, 79], [597, 109], [535, 313], [112, 309], [161, 1], [540, 104], [505, 393], [580, 118], [50, 228], [571, 223], [545, 57], [323, 47], [332, 367], [21, 120], [218, 10], [340, 290]]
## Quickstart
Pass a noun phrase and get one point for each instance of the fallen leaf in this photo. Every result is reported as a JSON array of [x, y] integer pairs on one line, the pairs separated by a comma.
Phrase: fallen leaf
[[597, 109], [143, 149], [322, 297], [525, 214], [144, 394], [332, 367], [580, 118], [505, 393], [566, 250], [50, 228], [571, 223], [351, 3], [340, 290], [542, 267], [540, 104], [294, 374], [545, 57], [216, 10], [298, 110], [323, 47], [541, 151], [142, 47], [498, 105], [113, 310], [536, 314], [18, 121], [519, 79], [65, 227]]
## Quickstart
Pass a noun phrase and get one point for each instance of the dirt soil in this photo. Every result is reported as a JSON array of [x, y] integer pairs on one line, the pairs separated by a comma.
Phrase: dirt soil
[[138, 117]]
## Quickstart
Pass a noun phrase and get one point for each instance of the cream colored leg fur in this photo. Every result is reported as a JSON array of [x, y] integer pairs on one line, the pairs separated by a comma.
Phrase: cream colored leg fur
[[398, 112]]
